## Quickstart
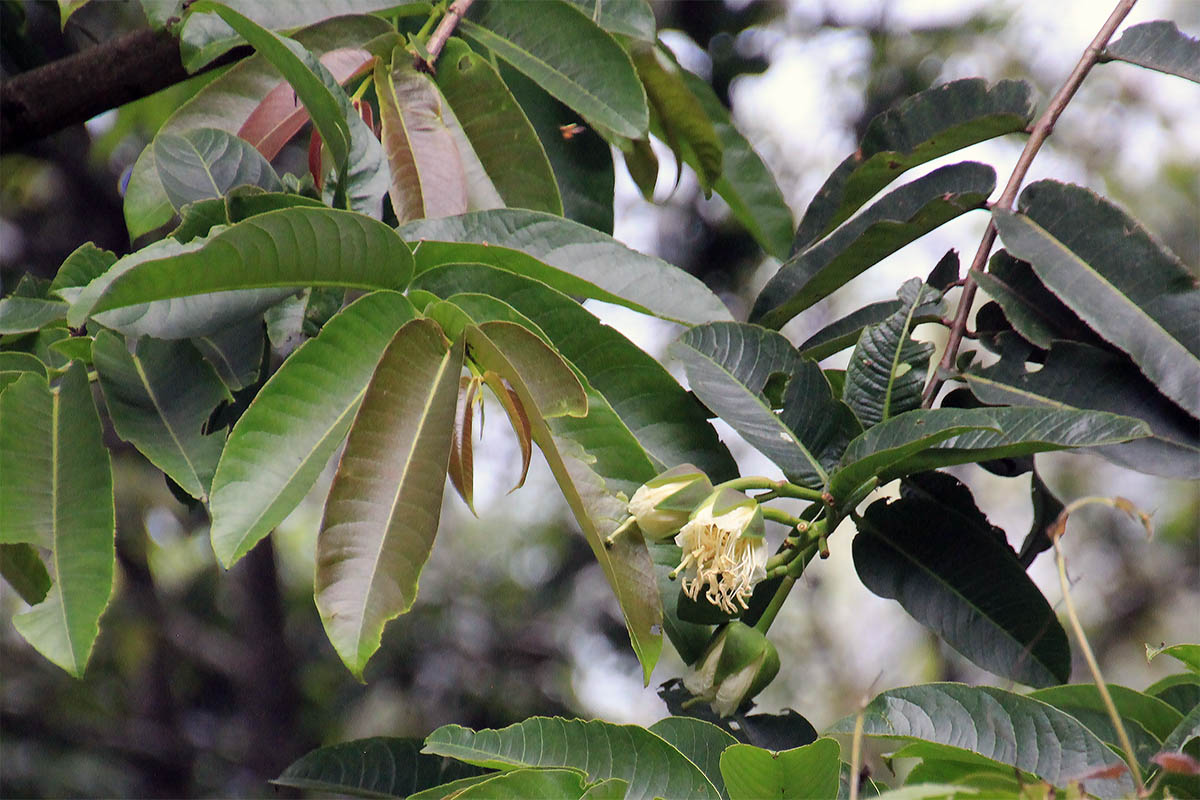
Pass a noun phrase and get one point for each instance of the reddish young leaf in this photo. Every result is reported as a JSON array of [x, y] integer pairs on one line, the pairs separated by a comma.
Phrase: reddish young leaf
[[517, 416], [462, 457]]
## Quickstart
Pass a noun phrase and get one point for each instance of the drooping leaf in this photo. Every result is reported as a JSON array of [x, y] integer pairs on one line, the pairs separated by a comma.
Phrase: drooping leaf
[[1081, 376], [669, 423], [746, 183], [427, 178], [159, 397], [206, 163], [52, 454], [1158, 45], [1046, 508], [551, 384], [602, 750], [945, 272], [927, 125], [845, 332], [567, 256], [461, 467], [581, 160], [28, 314], [916, 440], [1116, 277], [1020, 731], [803, 772], [627, 17], [1029, 306], [383, 507], [893, 221], [235, 353], [939, 558], [23, 570], [580, 475], [291, 247], [284, 439], [581, 65], [376, 767], [681, 117], [701, 742], [498, 130], [729, 366], [887, 370]]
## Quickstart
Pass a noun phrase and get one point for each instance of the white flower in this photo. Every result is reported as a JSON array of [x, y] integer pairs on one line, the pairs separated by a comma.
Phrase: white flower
[[663, 504], [724, 550]]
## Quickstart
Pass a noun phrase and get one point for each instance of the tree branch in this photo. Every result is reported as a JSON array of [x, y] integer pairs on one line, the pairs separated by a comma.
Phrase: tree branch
[[456, 11], [74, 89], [1037, 138]]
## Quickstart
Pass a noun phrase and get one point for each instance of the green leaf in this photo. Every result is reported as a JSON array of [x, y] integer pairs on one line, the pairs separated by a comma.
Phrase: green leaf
[[681, 119], [1029, 306], [1186, 654], [938, 556], [602, 750], [729, 367], [68, 7], [580, 64], [1187, 730], [916, 441], [1046, 508], [235, 352], [1077, 375], [1116, 277], [206, 163], [13, 365], [283, 441], [627, 17], [581, 160], [887, 370], [243, 205], [291, 247], [803, 772], [85, 263], [701, 742], [51, 455], [926, 126], [427, 178], [205, 37], [520, 784], [928, 791], [382, 513], [555, 390], [899, 217], [597, 509], [196, 220], [498, 130], [746, 183], [28, 314], [376, 767], [1158, 45], [24, 571], [1019, 731], [159, 398], [567, 256], [668, 422], [845, 332], [1152, 714], [1180, 691]]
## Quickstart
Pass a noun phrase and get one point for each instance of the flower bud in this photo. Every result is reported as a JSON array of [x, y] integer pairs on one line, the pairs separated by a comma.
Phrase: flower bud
[[737, 664], [663, 504], [723, 543]]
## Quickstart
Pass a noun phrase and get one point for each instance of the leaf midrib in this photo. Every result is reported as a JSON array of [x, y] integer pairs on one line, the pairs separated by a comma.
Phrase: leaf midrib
[[162, 415], [55, 461]]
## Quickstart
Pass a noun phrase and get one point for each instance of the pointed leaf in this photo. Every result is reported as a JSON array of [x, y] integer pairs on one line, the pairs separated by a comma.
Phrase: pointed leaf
[[597, 509], [602, 750], [845, 332], [890, 223], [498, 130], [1046, 508], [383, 507], [729, 367], [927, 125], [627, 17], [24, 571], [284, 439], [683, 121], [567, 256], [1158, 45], [887, 370], [517, 417], [159, 398], [51, 455], [953, 575], [236, 352], [551, 383], [427, 178], [462, 454], [701, 742], [376, 767], [803, 772], [1186, 654], [207, 162], [581, 65], [1081, 376], [668, 422], [28, 314], [1116, 277], [291, 247], [1006, 727]]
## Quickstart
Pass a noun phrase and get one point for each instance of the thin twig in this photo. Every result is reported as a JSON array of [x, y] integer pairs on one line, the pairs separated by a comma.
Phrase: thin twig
[[456, 11], [1037, 137]]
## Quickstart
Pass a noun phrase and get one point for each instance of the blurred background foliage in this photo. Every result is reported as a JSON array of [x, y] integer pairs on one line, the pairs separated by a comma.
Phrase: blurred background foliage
[[208, 684]]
